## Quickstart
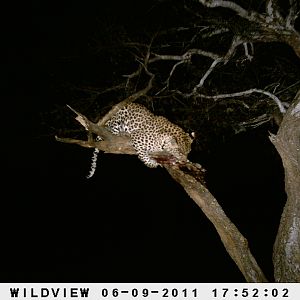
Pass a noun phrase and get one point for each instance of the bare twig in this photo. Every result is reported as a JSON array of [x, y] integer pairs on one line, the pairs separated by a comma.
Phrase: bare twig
[[98, 92], [247, 54], [133, 75], [170, 75], [207, 73], [214, 32]]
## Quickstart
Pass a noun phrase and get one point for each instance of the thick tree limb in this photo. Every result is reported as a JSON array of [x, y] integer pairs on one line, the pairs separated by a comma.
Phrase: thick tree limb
[[110, 143], [115, 145], [234, 242], [286, 256]]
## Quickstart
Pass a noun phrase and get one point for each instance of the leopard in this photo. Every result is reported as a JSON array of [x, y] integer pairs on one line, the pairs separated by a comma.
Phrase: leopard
[[150, 133]]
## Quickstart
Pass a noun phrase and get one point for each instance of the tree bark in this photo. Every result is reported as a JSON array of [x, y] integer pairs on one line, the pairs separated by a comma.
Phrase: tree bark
[[286, 255]]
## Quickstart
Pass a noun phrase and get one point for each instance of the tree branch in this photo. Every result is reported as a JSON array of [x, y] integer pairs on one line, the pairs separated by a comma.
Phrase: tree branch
[[234, 242], [236, 42], [207, 73], [249, 15], [240, 94], [186, 58], [114, 145]]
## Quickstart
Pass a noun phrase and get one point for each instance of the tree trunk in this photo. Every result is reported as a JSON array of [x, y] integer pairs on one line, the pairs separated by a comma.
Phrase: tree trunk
[[286, 255]]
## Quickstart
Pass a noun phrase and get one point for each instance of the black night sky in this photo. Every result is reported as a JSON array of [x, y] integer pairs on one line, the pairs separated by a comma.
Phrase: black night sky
[[128, 223]]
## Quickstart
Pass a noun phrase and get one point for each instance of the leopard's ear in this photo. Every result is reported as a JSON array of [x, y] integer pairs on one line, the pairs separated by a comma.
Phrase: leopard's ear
[[193, 135]]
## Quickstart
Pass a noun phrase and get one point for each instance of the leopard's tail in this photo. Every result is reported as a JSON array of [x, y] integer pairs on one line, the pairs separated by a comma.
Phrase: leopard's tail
[[94, 163]]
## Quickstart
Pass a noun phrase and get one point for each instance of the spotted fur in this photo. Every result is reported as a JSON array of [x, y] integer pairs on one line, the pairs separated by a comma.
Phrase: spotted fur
[[150, 133]]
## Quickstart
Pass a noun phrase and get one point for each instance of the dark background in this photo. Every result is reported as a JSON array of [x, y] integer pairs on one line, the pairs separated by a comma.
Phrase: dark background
[[128, 223]]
